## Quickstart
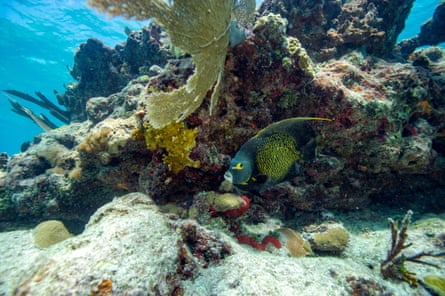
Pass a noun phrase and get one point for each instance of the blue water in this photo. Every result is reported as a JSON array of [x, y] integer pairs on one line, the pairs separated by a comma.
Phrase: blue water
[[38, 41], [37, 45]]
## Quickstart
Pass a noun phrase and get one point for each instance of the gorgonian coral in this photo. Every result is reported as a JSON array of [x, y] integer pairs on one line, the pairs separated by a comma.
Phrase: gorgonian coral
[[199, 27]]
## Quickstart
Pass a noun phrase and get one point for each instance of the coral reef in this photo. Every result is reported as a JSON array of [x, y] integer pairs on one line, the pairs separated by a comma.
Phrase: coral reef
[[131, 247], [3, 160], [330, 29], [386, 139], [431, 32], [37, 182], [109, 230], [111, 155], [113, 69]]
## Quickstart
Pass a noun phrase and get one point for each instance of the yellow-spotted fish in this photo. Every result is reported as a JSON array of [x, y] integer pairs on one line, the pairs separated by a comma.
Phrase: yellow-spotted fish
[[274, 154]]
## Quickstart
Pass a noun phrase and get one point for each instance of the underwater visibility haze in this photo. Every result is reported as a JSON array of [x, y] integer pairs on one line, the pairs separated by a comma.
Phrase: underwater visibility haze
[[222, 147], [38, 42]]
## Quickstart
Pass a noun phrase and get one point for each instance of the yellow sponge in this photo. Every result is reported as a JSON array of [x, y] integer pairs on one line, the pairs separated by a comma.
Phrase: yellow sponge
[[177, 140]]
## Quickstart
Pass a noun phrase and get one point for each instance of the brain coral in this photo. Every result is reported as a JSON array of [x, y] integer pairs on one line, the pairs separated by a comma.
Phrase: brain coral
[[49, 233]]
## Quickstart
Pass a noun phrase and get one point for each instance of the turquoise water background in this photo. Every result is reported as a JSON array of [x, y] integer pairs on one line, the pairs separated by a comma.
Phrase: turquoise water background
[[38, 42]]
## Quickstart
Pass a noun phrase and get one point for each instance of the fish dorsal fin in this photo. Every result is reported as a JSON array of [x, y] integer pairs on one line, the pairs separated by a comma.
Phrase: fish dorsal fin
[[288, 120]]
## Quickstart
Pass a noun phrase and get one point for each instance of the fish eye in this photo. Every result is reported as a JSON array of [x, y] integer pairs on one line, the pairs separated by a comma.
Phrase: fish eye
[[238, 166]]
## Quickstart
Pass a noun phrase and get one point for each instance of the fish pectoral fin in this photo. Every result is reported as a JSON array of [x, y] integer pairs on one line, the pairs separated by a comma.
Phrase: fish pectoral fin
[[294, 170], [260, 179], [309, 150]]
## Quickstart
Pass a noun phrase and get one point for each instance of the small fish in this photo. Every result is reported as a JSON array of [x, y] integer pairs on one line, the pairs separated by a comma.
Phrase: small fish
[[127, 31], [274, 154], [42, 121]]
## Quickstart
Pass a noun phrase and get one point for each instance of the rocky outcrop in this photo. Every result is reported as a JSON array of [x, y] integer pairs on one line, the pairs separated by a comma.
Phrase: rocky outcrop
[[330, 29], [386, 137]]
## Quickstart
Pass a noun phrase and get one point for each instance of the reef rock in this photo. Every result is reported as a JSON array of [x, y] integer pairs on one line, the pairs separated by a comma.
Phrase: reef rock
[[330, 29], [386, 137], [118, 238], [36, 183], [127, 247], [101, 71]]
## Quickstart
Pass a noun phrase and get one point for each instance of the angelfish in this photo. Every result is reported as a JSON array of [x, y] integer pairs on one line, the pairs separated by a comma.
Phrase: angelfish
[[273, 154]]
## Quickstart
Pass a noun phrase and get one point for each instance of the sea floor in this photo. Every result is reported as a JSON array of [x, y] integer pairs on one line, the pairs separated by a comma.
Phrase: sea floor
[[131, 245]]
